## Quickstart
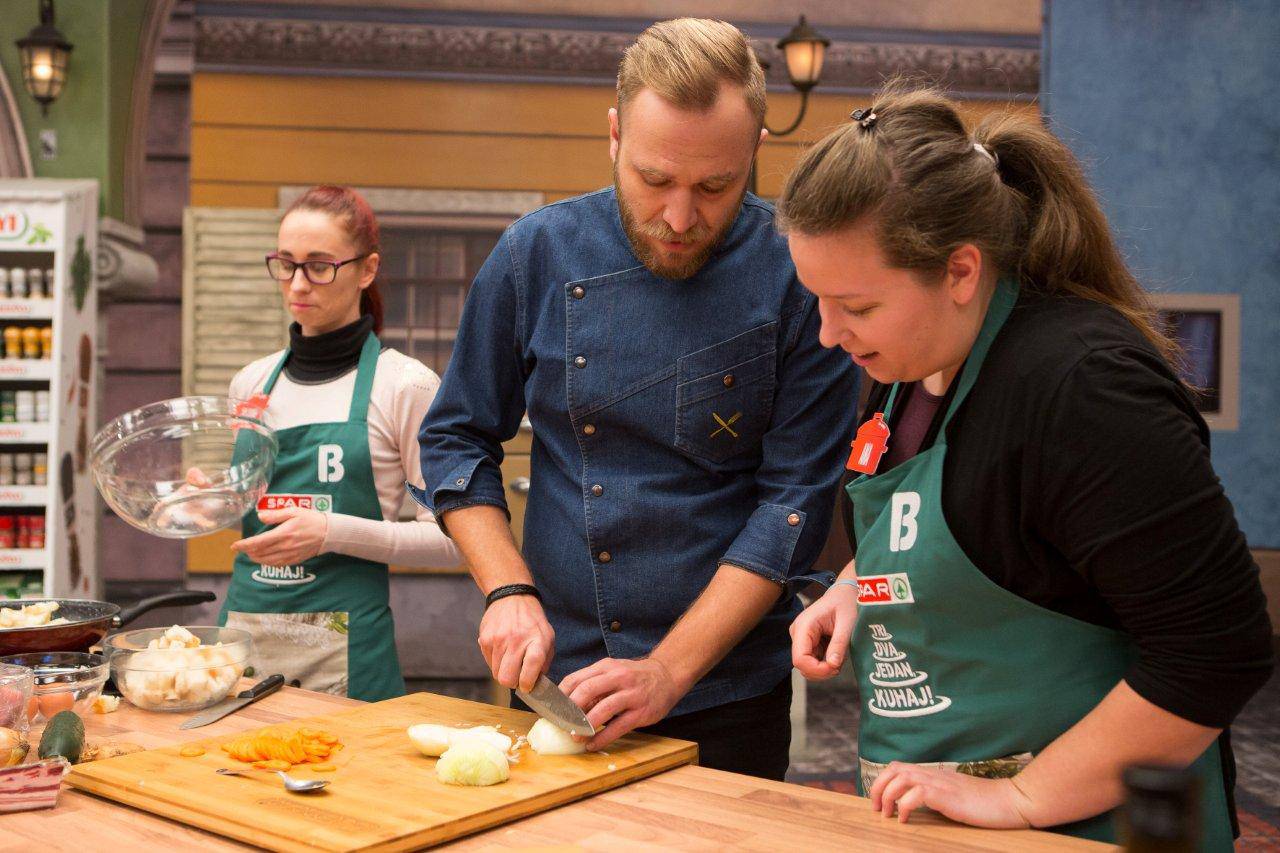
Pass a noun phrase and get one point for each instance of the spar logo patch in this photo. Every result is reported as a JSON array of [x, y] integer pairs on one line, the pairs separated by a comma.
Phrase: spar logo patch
[[320, 503], [885, 589], [283, 575]]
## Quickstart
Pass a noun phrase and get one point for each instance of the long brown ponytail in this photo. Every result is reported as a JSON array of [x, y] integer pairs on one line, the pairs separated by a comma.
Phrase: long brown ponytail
[[1011, 188]]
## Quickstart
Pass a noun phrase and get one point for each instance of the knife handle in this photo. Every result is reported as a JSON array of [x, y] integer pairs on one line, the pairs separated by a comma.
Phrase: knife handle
[[265, 687]]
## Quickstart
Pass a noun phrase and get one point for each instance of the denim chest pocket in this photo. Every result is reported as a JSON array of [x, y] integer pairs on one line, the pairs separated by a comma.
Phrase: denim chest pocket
[[724, 395]]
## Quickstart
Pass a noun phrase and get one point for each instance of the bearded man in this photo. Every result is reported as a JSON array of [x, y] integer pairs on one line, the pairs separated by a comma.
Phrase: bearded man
[[688, 427]]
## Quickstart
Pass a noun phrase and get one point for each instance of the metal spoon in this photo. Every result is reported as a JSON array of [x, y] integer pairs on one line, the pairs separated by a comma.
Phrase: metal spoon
[[296, 786]]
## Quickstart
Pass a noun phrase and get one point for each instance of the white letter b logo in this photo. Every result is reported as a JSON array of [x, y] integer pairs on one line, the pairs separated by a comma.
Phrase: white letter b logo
[[902, 535], [330, 462]]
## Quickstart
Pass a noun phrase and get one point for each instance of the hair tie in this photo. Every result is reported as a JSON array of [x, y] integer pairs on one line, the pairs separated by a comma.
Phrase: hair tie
[[866, 118], [978, 146]]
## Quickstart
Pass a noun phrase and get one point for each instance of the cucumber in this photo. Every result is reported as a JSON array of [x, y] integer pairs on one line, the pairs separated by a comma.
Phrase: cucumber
[[64, 736]]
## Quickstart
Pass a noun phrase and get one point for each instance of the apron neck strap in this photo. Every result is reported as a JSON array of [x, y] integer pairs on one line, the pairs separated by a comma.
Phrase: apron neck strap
[[364, 377], [1002, 302]]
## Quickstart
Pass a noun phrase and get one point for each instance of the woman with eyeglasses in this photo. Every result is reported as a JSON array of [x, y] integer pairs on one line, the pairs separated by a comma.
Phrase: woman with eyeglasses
[[310, 580]]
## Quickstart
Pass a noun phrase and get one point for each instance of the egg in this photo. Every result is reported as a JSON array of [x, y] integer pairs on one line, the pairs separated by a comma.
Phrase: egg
[[52, 703]]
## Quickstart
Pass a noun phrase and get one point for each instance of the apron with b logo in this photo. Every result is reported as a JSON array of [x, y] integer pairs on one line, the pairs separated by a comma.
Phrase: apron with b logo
[[953, 669], [327, 621]]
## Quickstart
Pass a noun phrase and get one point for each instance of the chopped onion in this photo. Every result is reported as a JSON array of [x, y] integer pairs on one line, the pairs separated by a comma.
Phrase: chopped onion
[[473, 762], [549, 739]]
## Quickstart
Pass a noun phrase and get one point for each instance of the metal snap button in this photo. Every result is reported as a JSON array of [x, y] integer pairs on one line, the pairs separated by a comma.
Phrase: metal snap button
[[578, 293], [589, 429], [728, 380], [615, 626], [580, 361], [793, 519], [597, 490], [605, 556]]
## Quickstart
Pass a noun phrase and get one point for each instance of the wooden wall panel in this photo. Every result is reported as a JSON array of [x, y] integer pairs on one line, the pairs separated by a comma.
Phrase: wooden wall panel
[[253, 133]]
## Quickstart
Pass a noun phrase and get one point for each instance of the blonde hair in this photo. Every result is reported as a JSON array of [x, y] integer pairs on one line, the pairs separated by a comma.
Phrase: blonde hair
[[684, 61], [1011, 188]]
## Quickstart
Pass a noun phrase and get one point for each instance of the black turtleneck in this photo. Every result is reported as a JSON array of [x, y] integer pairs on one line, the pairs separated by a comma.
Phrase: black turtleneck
[[319, 358]]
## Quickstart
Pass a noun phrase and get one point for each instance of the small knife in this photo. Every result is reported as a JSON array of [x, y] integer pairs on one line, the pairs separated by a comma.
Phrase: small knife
[[551, 703], [265, 687]]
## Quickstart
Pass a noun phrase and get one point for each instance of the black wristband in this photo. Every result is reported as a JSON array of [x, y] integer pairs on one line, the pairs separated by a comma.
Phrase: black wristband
[[511, 589]]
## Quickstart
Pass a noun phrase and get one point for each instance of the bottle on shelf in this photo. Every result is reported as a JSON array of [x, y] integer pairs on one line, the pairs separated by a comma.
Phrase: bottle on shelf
[[8, 534], [46, 342], [40, 469], [18, 283], [31, 342], [8, 406], [12, 342], [6, 291]]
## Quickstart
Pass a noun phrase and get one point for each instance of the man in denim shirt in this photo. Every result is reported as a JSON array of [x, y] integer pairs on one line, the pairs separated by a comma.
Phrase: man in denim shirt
[[688, 427]]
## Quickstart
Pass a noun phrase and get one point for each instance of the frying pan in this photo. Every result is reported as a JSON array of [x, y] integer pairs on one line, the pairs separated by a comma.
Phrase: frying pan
[[87, 621]]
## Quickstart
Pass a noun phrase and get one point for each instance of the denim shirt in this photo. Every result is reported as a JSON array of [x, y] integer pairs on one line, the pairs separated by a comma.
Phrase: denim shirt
[[677, 426]]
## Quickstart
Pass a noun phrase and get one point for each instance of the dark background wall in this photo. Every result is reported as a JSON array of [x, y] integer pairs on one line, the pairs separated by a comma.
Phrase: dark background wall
[[1173, 107]]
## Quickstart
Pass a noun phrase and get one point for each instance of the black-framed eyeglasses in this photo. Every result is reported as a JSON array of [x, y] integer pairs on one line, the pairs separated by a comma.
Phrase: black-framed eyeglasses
[[316, 272]]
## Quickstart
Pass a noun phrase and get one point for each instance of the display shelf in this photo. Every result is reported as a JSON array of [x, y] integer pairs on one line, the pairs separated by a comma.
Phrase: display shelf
[[23, 559], [24, 433], [40, 369], [24, 496], [26, 309]]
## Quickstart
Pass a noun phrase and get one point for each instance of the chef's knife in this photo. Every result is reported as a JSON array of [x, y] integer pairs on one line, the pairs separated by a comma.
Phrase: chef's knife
[[265, 687], [551, 703]]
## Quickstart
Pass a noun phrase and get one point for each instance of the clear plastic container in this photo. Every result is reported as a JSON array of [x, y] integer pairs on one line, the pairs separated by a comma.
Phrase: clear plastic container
[[178, 679], [171, 468], [17, 685], [64, 681]]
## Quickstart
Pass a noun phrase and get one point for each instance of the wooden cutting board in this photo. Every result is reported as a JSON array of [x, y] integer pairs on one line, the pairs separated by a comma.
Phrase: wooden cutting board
[[384, 794]]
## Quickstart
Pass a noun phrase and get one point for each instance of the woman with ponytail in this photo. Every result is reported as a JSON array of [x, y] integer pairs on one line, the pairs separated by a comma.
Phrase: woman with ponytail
[[310, 579], [1049, 584]]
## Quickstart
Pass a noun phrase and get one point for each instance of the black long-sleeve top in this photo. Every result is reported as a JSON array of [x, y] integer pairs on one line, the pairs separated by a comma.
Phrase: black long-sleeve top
[[1078, 477]]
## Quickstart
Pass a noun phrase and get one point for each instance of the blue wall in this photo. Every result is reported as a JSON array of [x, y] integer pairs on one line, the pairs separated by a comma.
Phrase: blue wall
[[1174, 105]]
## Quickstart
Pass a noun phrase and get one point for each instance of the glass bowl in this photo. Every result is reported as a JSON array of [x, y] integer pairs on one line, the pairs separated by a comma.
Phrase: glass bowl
[[17, 684], [64, 681], [184, 467], [178, 679]]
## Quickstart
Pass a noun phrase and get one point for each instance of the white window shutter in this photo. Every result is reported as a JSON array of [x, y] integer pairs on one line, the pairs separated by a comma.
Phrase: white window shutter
[[232, 313]]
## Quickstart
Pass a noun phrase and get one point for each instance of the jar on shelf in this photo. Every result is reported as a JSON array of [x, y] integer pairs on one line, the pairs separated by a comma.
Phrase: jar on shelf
[[31, 342], [36, 528], [40, 469], [42, 407], [47, 293], [18, 283], [25, 407], [8, 535], [23, 539], [8, 406], [46, 342], [35, 281], [5, 287], [23, 469], [12, 342], [6, 469]]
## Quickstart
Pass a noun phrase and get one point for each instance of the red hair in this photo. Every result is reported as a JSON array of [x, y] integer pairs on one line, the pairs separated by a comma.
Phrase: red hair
[[349, 207]]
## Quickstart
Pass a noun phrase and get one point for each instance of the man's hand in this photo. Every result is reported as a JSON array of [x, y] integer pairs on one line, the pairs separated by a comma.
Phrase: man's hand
[[622, 695], [820, 634], [298, 538], [517, 641]]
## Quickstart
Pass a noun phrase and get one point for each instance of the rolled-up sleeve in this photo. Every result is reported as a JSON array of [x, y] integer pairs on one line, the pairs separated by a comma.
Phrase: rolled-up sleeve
[[814, 411], [481, 397]]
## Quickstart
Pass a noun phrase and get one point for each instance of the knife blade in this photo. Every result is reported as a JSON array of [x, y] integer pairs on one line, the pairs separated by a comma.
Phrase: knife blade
[[551, 703], [265, 687]]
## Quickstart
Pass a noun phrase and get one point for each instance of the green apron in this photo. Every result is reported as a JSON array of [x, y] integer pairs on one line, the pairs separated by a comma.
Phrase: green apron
[[326, 622], [956, 670]]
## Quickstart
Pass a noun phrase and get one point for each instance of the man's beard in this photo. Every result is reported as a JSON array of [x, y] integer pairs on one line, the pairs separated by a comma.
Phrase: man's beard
[[654, 259]]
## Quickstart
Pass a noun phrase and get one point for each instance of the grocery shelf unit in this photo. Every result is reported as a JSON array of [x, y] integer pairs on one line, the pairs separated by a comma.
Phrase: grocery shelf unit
[[52, 225]]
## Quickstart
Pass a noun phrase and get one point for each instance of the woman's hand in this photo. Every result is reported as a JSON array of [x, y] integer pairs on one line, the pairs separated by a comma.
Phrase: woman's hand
[[991, 803], [820, 634], [298, 538]]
